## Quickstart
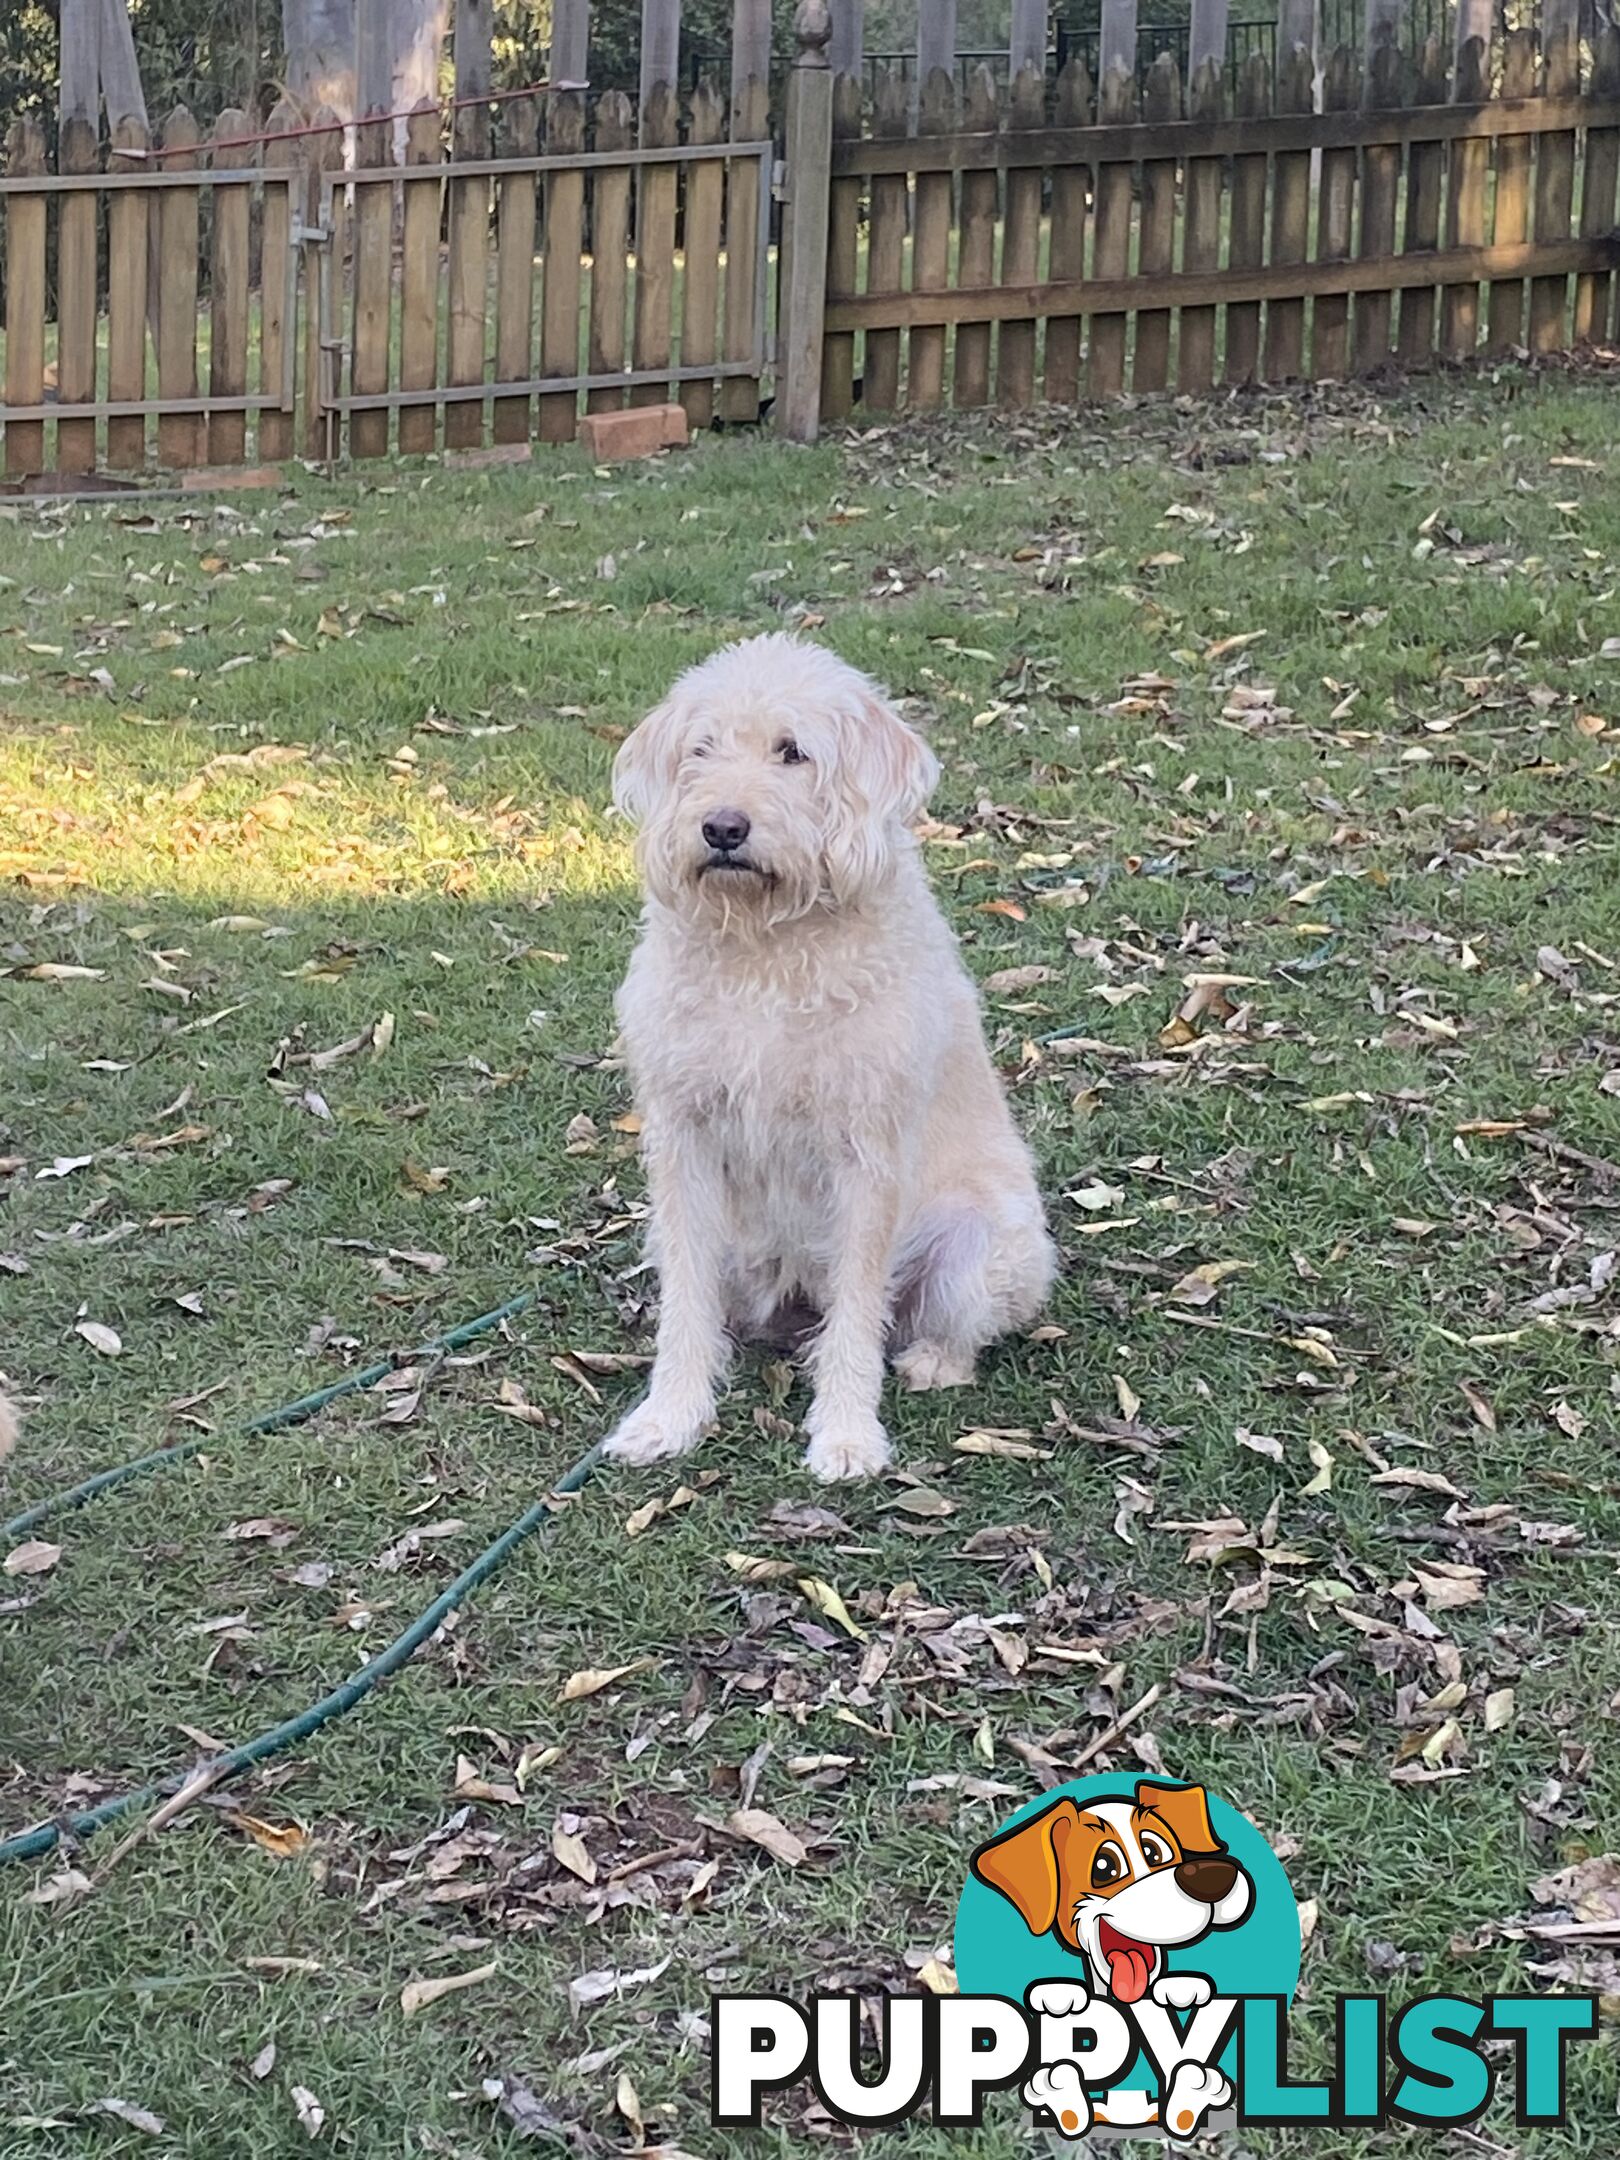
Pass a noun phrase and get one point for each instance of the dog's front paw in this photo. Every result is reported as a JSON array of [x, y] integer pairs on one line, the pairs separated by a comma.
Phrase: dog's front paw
[[650, 1435], [852, 1448], [1182, 1991], [927, 1365], [1059, 1998]]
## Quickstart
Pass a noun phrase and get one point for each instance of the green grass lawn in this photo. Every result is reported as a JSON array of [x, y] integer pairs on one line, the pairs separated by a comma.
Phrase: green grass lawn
[[1305, 694]]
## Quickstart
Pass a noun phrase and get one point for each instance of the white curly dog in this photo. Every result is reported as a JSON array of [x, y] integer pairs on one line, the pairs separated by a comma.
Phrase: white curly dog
[[822, 1124]]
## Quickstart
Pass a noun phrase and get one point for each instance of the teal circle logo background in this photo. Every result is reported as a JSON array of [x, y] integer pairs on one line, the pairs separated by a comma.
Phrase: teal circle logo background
[[997, 1955]]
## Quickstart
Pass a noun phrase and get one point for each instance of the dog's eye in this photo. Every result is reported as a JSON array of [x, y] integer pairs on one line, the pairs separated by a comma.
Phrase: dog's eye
[[790, 753], [1156, 1853], [698, 749], [1107, 1868]]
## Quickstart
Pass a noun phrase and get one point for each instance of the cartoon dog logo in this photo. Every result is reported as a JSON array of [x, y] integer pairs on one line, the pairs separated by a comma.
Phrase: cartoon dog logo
[[1120, 1881]]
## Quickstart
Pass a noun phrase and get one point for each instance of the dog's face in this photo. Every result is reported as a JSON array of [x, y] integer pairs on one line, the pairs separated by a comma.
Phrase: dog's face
[[1120, 1881], [772, 779]]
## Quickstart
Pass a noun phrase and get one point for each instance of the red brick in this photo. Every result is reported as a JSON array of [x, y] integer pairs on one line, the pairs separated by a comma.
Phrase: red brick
[[639, 431]]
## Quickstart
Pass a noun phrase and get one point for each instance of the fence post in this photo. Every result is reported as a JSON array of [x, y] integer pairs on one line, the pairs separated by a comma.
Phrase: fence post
[[804, 230]]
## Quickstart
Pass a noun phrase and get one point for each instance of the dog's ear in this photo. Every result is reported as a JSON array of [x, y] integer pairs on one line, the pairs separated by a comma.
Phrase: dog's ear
[[897, 772], [648, 760], [1186, 1809], [1026, 1864]]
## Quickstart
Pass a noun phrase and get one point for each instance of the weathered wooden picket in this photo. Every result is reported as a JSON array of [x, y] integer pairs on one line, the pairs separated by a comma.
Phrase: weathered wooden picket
[[484, 275]]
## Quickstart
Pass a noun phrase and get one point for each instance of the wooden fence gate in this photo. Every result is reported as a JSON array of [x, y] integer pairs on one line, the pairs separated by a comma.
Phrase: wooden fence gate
[[698, 327]]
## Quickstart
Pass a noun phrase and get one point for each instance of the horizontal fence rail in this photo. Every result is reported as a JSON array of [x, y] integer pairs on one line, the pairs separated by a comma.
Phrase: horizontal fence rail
[[1132, 142]]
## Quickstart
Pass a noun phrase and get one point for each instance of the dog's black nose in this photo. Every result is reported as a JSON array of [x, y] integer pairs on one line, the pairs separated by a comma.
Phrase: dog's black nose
[[725, 830], [1206, 1876]]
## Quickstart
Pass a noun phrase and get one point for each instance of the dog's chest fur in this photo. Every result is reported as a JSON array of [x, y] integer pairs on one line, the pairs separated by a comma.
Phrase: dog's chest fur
[[794, 1061]]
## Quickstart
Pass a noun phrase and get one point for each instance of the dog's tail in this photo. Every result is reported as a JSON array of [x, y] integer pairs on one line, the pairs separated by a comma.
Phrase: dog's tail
[[8, 1426]]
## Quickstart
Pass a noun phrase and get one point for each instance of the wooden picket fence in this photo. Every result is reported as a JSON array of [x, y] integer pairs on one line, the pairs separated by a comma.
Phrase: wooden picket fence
[[126, 345], [486, 276], [1064, 242]]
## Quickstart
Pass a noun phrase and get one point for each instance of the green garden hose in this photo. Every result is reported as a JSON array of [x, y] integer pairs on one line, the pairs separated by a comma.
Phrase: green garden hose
[[31, 1844], [293, 1413]]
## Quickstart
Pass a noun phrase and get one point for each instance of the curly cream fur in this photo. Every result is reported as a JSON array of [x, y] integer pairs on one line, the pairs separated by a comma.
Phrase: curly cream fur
[[822, 1123]]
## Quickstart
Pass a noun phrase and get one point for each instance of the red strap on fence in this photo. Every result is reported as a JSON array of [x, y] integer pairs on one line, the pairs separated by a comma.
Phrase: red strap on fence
[[339, 127]]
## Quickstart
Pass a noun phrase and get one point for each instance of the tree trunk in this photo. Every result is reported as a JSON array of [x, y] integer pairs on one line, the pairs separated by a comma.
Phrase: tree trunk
[[319, 36], [419, 28]]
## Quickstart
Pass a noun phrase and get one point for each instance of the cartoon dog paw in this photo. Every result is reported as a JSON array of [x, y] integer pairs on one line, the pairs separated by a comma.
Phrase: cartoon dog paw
[[1059, 1998], [1060, 2090], [1195, 2092], [1182, 1991]]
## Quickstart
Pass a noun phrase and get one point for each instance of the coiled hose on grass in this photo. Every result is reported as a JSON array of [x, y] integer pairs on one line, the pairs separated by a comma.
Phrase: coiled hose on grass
[[31, 1844]]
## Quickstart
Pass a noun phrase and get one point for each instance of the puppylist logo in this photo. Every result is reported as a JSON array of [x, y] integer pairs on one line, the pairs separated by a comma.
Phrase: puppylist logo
[[1127, 1951]]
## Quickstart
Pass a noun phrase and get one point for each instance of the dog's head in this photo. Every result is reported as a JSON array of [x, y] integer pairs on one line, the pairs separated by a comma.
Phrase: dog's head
[[1121, 1880], [774, 778]]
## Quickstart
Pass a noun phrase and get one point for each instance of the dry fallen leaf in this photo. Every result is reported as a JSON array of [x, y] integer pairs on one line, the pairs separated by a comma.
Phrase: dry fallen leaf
[[104, 1340], [1200, 1284], [830, 1605], [282, 1839], [755, 1570], [417, 1994], [1012, 1446], [310, 2112], [763, 1829], [594, 1678], [628, 2102], [63, 1888], [1499, 1708], [470, 1786], [33, 1557], [569, 1851], [1008, 981], [649, 1512], [125, 2111], [1447, 1584], [1323, 1463], [1481, 1408]]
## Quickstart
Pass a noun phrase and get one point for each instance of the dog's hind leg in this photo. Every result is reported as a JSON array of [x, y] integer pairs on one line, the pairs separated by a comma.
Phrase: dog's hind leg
[[944, 1315], [965, 1278], [690, 1248]]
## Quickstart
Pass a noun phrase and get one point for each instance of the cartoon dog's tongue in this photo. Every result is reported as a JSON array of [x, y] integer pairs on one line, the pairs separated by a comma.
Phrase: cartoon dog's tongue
[[1130, 1963]]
